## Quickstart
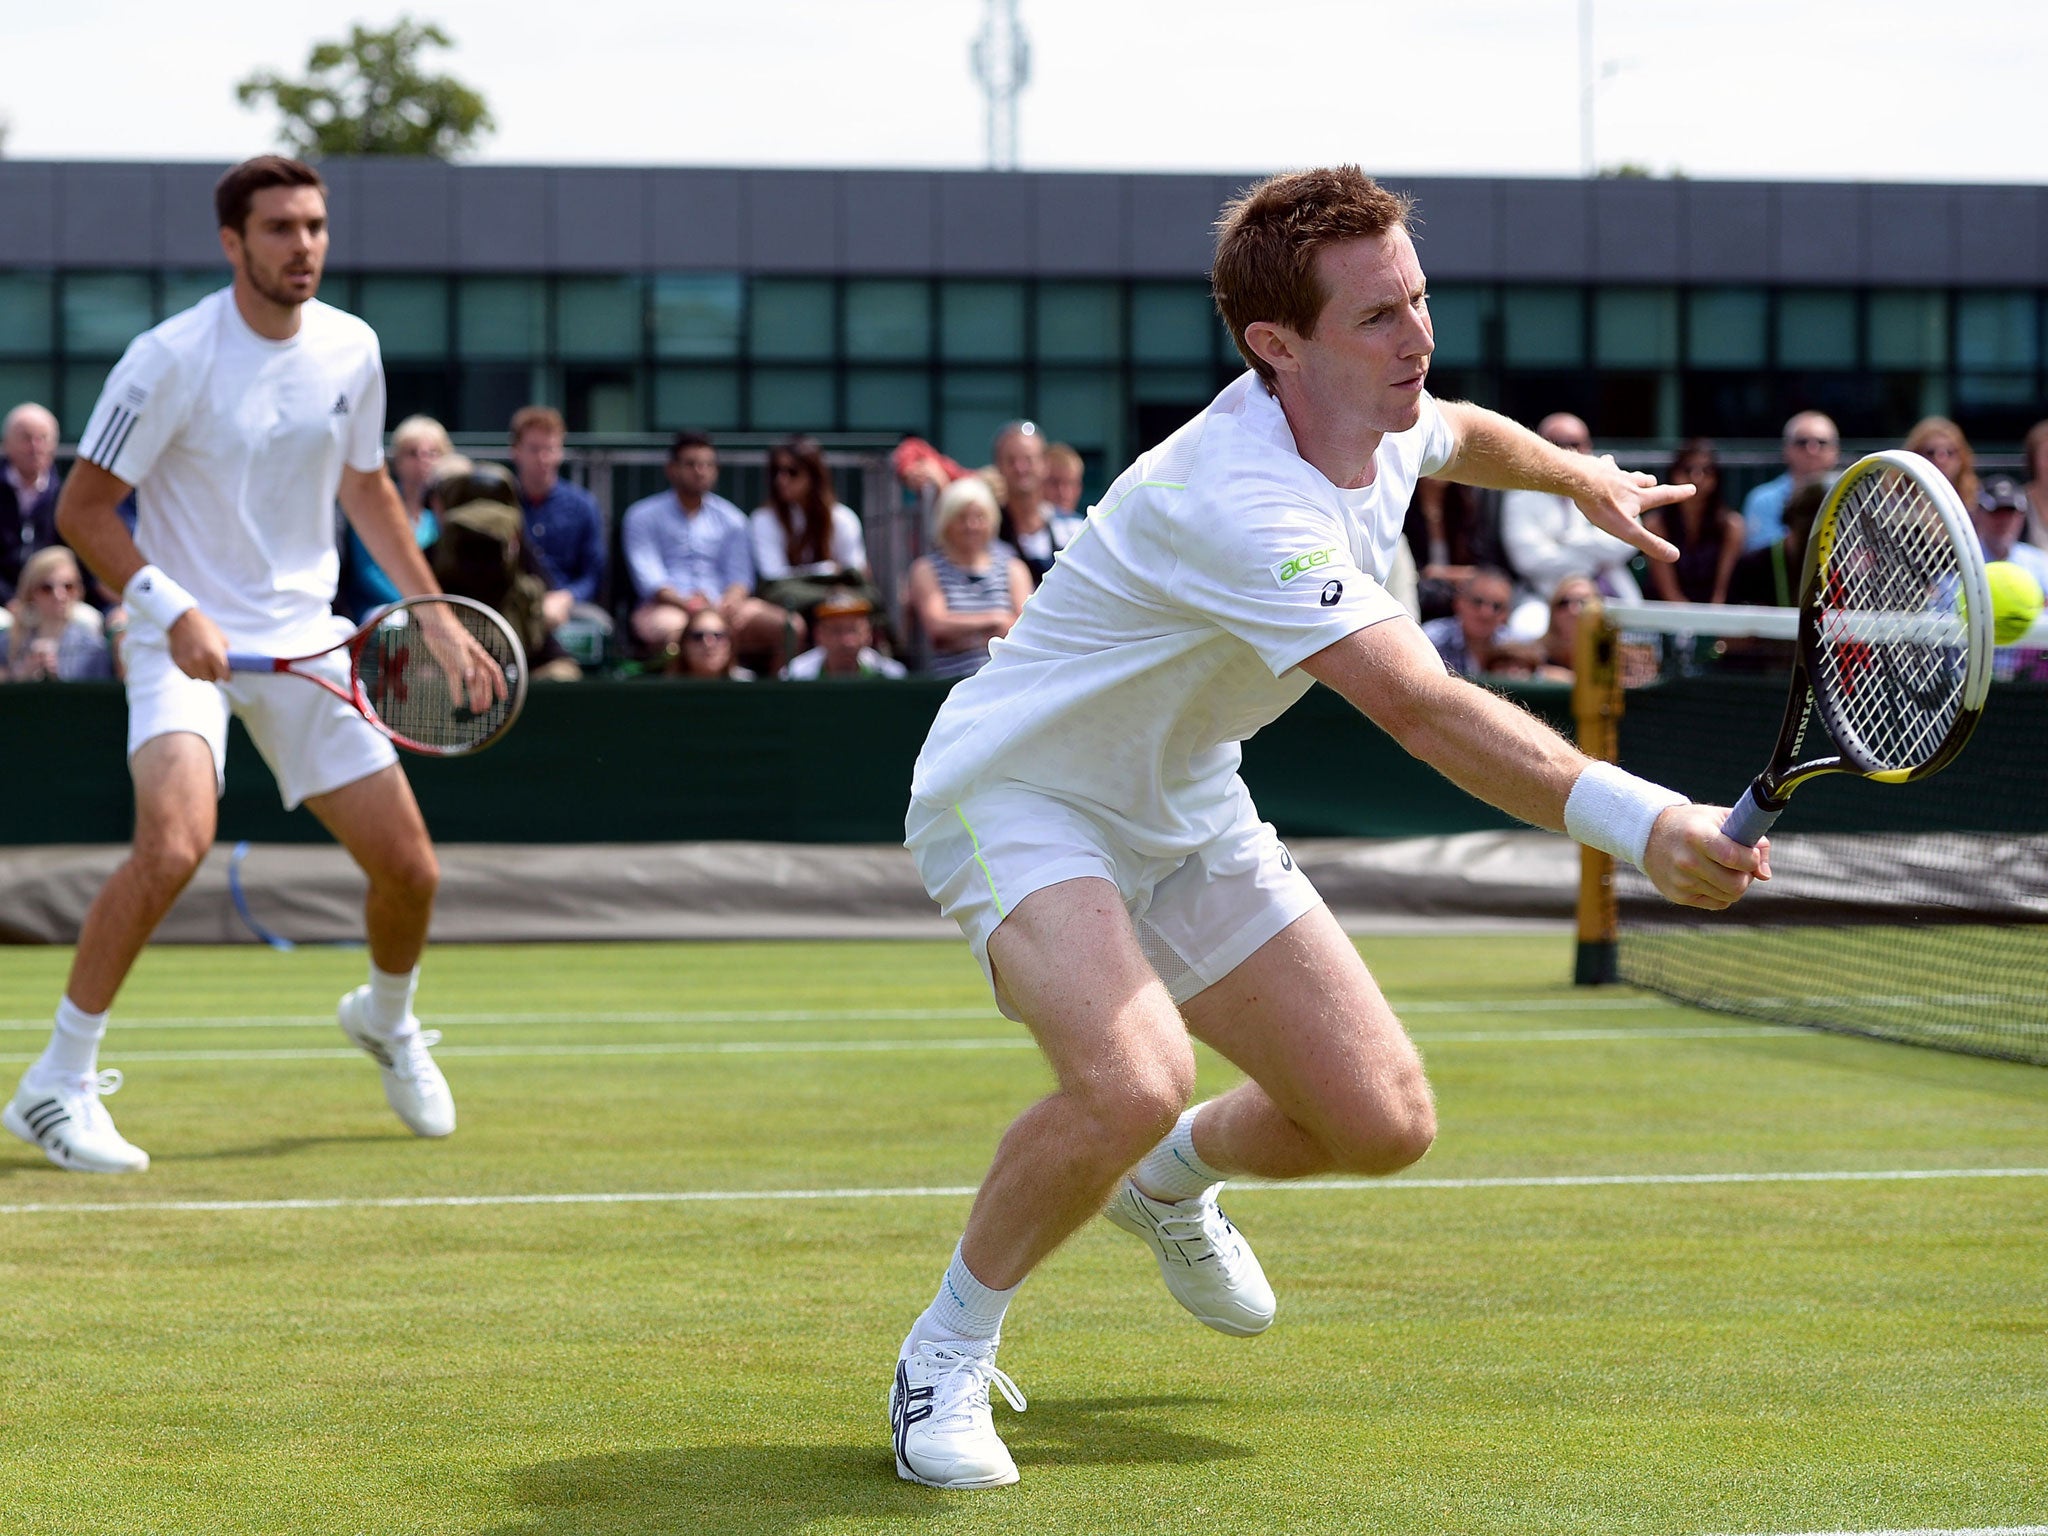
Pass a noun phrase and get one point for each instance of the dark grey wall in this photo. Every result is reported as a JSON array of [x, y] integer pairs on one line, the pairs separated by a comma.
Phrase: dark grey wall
[[421, 215]]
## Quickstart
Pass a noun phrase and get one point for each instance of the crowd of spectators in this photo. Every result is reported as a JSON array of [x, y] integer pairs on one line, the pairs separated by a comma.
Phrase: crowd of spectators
[[708, 590]]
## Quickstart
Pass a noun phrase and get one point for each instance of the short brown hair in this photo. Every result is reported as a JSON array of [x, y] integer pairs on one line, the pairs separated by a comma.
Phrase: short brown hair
[[537, 418], [236, 190], [1267, 242]]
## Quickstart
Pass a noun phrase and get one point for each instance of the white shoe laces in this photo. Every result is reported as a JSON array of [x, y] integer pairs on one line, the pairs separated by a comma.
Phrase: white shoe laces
[[409, 1052], [961, 1393], [1206, 1225], [92, 1087]]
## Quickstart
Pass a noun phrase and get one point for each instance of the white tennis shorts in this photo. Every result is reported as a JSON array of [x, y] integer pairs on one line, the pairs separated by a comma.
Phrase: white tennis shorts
[[1197, 917], [313, 742]]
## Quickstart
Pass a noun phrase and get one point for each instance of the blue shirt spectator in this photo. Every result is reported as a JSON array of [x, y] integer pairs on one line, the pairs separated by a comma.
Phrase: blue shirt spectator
[[563, 524], [1812, 450], [702, 552]]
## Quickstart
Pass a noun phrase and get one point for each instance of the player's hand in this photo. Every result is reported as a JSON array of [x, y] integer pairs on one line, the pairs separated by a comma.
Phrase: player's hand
[[474, 675], [1691, 862], [199, 648], [1617, 498]]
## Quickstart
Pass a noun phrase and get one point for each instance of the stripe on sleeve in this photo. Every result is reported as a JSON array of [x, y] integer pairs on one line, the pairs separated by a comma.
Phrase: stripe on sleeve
[[115, 432]]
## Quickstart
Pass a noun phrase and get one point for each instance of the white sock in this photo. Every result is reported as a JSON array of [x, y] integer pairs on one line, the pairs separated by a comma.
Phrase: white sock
[[74, 1048], [1171, 1171], [391, 998], [965, 1309]]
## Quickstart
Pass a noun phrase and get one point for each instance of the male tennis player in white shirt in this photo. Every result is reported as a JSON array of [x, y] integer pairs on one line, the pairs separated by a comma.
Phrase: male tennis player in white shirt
[[238, 423], [1077, 807]]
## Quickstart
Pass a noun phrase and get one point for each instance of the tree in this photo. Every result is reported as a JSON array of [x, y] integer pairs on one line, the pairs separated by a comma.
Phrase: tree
[[370, 96]]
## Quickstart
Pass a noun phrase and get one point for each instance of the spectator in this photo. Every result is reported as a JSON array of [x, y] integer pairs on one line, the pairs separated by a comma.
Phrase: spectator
[[28, 490], [563, 523], [1769, 577], [55, 633], [1546, 537], [2000, 513], [1447, 534], [2034, 454], [482, 554], [418, 446], [704, 650], [687, 550], [971, 587], [1812, 448], [843, 625], [1706, 530], [807, 545], [1941, 442], [1471, 639], [1030, 524], [1062, 482], [1568, 603]]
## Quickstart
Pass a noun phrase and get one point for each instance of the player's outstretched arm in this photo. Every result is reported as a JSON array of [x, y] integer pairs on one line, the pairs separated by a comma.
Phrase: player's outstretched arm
[[1505, 756], [1497, 454]]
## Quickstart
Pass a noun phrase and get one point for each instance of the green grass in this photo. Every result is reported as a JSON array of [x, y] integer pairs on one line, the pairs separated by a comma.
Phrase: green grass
[[1677, 1358]]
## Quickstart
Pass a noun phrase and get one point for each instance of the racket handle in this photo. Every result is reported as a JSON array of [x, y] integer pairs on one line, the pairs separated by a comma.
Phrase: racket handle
[[249, 661], [1750, 819]]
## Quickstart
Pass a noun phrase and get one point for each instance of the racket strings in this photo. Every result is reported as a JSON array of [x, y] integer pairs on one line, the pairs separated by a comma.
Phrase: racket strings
[[1892, 653], [410, 686]]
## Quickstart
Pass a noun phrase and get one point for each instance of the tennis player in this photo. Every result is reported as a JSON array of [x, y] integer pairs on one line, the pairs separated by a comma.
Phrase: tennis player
[[1078, 810], [238, 423]]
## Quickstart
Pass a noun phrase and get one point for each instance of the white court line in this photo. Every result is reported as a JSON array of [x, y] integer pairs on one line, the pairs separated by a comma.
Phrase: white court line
[[817, 1015], [990, 1043], [930, 1191]]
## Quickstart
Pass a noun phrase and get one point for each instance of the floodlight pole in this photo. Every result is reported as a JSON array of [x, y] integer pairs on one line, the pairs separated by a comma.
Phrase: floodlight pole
[[1001, 56]]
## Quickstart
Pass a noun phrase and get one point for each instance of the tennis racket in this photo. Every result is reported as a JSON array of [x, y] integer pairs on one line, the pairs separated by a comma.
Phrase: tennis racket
[[440, 675], [1893, 658]]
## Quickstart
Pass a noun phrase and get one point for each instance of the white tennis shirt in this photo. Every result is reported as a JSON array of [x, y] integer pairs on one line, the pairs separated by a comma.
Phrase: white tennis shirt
[[234, 444], [1173, 627]]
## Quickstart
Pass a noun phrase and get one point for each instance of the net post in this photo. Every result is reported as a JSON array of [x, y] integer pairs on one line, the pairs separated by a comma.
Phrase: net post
[[1596, 706]]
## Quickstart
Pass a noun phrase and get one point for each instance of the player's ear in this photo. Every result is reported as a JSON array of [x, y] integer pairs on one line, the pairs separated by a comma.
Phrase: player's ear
[[231, 245], [1276, 345]]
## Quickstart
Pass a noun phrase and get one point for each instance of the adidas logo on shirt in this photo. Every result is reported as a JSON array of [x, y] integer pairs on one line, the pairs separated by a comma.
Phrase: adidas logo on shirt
[[340, 405]]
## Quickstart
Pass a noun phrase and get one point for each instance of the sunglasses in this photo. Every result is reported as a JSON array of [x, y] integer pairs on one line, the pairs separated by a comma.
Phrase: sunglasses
[[1814, 442], [1567, 604], [708, 636], [59, 588], [1490, 604], [787, 472]]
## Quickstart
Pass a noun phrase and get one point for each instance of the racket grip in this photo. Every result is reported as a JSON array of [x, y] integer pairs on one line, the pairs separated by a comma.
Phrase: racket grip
[[1750, 819], [249, 661]]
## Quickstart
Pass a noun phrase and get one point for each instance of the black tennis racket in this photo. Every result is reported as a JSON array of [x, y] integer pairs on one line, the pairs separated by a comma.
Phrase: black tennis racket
[[1893, 660], [439, 675]]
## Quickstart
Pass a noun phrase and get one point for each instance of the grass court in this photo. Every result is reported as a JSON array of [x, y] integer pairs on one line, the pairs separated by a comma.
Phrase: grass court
[[1603, 1304]]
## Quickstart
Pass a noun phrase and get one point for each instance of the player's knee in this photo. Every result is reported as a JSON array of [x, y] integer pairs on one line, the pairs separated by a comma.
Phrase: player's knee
[[168, 857], [1387, 1130], [418, 875], [1136, 1110]]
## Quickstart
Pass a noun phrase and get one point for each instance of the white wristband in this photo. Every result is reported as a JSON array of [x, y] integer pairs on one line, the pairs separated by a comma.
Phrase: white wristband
[[157, 598], [1614, 811]]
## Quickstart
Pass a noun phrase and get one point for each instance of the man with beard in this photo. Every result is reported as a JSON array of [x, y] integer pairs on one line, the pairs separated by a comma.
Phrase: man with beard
[[238, 424]]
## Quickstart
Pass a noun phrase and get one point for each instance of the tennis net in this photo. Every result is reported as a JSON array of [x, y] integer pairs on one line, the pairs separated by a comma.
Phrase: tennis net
[[1916, 913]]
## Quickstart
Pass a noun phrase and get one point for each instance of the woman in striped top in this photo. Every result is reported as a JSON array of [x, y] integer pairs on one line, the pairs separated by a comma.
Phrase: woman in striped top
[[970, 588]]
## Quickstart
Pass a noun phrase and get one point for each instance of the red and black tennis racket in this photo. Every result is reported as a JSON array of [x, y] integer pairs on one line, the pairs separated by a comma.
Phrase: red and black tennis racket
[[440, 675]]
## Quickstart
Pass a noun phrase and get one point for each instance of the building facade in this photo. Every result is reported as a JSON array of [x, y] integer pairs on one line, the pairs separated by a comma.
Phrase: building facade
[[944, 303]]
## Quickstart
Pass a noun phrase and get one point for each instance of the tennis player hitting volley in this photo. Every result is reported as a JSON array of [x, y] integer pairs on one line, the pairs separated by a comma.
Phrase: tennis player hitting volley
[[1077, 808], [238, 423]]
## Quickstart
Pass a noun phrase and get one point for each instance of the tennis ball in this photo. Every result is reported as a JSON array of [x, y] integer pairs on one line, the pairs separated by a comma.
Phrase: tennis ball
[[2015, 600]]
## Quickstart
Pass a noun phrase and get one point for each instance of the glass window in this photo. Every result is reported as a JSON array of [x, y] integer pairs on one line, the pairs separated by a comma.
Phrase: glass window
[[1459, 313], [104, 311], [697, 314], [1908, 329], [790, 400], [26, 308], [409, 315], [981, 322], [184, 289], [82, 385], [888, 321], [1172, 323], [1080, 322], [1082, 409], [790, 319], [21, 382], [503, 318], [1635, 328], [696, 399], [888, 399], [1816, 328], [598, 317], [1725, 327], [1169, 385], [1996, 330], [490, 392], [972, 406], [1982, 390], [1543, 327]]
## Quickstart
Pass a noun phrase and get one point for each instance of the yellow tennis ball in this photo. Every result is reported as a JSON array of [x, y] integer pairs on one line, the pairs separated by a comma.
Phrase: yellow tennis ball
[[2015, 600]]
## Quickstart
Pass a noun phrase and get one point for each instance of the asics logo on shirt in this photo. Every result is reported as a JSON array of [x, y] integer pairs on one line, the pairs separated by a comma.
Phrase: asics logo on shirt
[[1332, 590], [1302, 564], [340, 405]]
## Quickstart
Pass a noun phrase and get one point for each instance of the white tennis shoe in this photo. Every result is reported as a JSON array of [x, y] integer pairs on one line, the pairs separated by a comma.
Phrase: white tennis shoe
[[413, 1084], [65, 1118], [940, 1416], [1204, 1260]]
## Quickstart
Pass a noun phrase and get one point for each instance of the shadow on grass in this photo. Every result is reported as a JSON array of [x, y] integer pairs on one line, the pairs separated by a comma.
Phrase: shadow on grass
[[283, 1146], [774, 1489]]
